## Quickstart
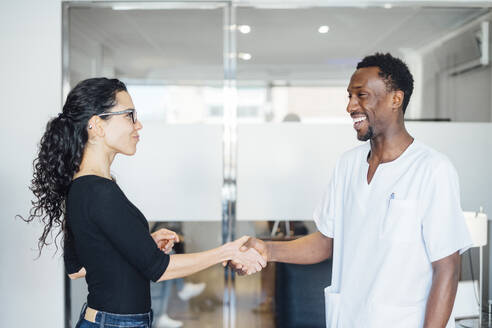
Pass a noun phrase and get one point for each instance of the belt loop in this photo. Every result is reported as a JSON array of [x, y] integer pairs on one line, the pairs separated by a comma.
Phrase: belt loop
[[103, 319]]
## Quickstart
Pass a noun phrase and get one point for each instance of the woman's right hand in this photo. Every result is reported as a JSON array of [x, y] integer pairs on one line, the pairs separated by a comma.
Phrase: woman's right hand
[[165, 239], [249, 261]]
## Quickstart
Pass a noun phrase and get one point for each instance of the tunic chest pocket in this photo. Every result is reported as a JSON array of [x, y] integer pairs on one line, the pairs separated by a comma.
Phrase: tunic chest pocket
[[401, 222]]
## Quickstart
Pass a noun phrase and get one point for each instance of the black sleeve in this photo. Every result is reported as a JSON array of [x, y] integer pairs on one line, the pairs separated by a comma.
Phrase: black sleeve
[[120, 223], [72, 264]]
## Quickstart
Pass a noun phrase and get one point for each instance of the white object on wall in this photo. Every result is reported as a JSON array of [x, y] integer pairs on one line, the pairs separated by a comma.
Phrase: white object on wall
[[477, 224]]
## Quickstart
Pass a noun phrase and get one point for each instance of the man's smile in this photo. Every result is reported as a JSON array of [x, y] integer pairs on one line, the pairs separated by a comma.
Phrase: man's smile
[[358, 120]]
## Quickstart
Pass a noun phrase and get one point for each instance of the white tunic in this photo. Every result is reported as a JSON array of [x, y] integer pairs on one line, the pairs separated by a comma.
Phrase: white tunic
[[387, 233]]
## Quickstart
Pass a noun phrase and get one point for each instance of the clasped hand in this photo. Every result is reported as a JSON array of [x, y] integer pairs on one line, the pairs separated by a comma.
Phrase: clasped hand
[[247, 258], [246, 255], [165, 239]]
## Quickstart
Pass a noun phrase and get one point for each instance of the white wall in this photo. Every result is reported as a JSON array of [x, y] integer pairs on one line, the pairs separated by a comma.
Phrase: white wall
[[31, 292]]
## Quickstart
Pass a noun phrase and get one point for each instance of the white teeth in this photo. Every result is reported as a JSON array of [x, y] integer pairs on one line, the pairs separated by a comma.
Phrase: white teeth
[[359, 119]]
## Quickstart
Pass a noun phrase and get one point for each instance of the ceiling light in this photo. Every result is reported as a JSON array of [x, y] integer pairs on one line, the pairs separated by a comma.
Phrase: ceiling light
[[245, 29], [323, 29], [123, 7], [244, 56], [388, 5]]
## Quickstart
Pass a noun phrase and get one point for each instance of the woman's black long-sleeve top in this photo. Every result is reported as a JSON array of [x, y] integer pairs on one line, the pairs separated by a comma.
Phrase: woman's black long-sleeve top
[[110, 238]]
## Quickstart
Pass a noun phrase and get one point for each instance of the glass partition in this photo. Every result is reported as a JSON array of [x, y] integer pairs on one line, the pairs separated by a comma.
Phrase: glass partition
[[170, 56], [294, 64], [244, 103]]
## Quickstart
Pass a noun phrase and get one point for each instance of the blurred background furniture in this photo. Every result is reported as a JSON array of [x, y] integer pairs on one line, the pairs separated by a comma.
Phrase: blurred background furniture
[[299, 296]]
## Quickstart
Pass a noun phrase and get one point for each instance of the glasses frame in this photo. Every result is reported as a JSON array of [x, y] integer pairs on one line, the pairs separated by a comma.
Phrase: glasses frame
[[131, 111]]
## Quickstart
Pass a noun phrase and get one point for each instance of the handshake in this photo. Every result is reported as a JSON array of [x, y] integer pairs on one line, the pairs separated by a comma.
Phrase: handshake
[[250, 255], [246, 255]]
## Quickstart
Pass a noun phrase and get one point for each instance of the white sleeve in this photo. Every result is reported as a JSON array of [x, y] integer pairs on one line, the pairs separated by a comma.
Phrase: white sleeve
[[324, 214], [443, 223]]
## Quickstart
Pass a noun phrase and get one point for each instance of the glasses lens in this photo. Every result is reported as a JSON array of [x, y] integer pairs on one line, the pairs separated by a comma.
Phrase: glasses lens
[[134, 116]]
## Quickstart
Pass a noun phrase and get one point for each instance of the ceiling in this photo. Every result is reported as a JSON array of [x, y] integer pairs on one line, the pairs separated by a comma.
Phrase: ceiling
[[186, 45]]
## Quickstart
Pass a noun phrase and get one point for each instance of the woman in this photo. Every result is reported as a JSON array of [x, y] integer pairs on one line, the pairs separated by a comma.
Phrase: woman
[[106, 238]]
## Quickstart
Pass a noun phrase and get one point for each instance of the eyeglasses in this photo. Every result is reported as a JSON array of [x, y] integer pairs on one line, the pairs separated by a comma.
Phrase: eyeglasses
[[131, 112]]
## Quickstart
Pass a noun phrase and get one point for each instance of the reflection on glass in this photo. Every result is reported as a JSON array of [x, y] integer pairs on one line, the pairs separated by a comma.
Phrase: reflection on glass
[[178, 104], [173, 69], [303, 58], [174, 300]]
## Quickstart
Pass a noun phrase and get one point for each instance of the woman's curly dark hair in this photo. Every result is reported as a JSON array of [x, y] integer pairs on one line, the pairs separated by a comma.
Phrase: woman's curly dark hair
[[61, 149]]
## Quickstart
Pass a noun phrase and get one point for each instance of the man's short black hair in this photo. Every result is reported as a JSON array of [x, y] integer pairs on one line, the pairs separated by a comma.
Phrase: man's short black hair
[[394, 72]]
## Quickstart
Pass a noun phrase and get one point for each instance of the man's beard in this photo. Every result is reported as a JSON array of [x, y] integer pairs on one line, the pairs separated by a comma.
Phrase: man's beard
[[369, 134]]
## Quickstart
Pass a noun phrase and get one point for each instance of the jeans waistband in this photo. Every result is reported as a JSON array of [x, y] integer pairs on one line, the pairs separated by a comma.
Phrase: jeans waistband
[[107, 318]]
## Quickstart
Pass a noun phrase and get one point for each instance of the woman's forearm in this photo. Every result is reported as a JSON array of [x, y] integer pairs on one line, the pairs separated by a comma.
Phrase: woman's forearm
[[182, 265]]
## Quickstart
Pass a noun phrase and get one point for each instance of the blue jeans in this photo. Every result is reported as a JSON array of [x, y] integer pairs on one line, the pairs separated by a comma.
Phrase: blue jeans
[[112, 320]]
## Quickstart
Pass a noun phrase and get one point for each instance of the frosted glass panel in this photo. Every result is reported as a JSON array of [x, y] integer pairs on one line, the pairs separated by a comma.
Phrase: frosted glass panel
[[176, 174], [469, 147], [283, 168]]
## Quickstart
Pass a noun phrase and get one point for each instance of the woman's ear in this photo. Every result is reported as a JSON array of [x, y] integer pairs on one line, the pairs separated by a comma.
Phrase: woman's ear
[[96, 127]]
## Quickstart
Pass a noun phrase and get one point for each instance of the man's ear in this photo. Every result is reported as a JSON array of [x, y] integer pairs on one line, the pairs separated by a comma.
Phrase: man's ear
[[397, 99]]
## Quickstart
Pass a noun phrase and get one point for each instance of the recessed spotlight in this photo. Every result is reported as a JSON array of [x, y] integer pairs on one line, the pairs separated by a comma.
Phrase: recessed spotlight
[[244, 56], [323, 29], [122, 7], [388, 5], [245, 29]]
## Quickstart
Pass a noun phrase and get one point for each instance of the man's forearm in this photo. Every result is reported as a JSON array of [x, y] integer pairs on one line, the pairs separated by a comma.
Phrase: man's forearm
[[310, 249], [443, 291]]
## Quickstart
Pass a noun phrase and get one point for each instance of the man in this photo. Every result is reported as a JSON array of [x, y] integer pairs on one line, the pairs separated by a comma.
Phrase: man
[[390, 218]]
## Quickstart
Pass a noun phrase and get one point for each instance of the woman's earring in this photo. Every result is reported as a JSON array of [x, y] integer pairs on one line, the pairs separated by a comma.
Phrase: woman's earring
[[90, 126]]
